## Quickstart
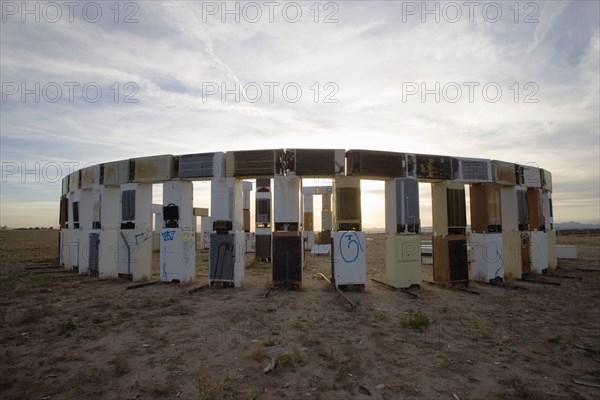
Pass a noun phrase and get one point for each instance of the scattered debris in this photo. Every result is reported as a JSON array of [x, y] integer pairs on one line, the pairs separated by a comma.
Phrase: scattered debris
[[352, 304], [363, 390], [455, 397], [566, 276], [387, 285], [267, 292], [198, 288], [141, 285], [539, 282], [586, 383], [54, 271], [586, 349], [381, 386], [471, 291], [270, 367], [326, 278], [272, 352]]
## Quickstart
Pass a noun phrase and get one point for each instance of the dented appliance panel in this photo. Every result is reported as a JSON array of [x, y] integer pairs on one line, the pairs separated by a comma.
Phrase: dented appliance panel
[[89, 176], [434, 168], [153, 169], [349, 258], [503, 173], [75, 180], [486, 214], [115, 173], [546, 178], [403, 260]]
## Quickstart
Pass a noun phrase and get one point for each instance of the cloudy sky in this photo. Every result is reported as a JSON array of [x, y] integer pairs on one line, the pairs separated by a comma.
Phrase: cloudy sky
[[95, 82]]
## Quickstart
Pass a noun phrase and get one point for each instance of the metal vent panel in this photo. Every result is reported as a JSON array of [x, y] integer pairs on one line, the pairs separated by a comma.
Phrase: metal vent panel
[[457, 215], [222, 257], [472, 170], [287, 258], [197, 165], [254, 163]]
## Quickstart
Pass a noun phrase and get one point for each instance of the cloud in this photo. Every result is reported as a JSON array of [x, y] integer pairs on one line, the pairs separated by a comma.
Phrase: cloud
[[367, 58]]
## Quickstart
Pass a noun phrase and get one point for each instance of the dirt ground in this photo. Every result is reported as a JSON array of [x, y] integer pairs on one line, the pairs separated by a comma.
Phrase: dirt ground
[[66, 336]]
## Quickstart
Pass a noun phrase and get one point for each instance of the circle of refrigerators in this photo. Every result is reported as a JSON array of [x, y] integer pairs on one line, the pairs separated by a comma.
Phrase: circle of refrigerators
[[110, 227]]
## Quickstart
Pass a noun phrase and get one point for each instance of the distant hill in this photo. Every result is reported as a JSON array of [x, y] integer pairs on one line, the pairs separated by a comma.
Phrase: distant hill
[[564, 226], [575, 226]]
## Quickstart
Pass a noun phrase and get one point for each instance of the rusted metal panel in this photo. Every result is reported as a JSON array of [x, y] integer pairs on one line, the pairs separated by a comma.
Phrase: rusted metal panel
[[434, 168], [115, 173], [347, 204], [375, 164], [503, 173], [263, 247], [153, 169], [535, 202], [475, 170], [522, 208], [448, 207], [486, 214], [525, 253], [450, 261], [457, 214], [511, 243], [410, 162], [308, 221], [64, 212]]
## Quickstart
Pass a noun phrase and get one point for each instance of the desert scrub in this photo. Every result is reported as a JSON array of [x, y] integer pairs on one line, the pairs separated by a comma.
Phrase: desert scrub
[[416, 320], [67, 327]]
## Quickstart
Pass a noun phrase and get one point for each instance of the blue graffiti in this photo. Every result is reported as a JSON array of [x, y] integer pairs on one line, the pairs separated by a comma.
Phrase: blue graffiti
[[142, 237], [168, 235], [353, 243]]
